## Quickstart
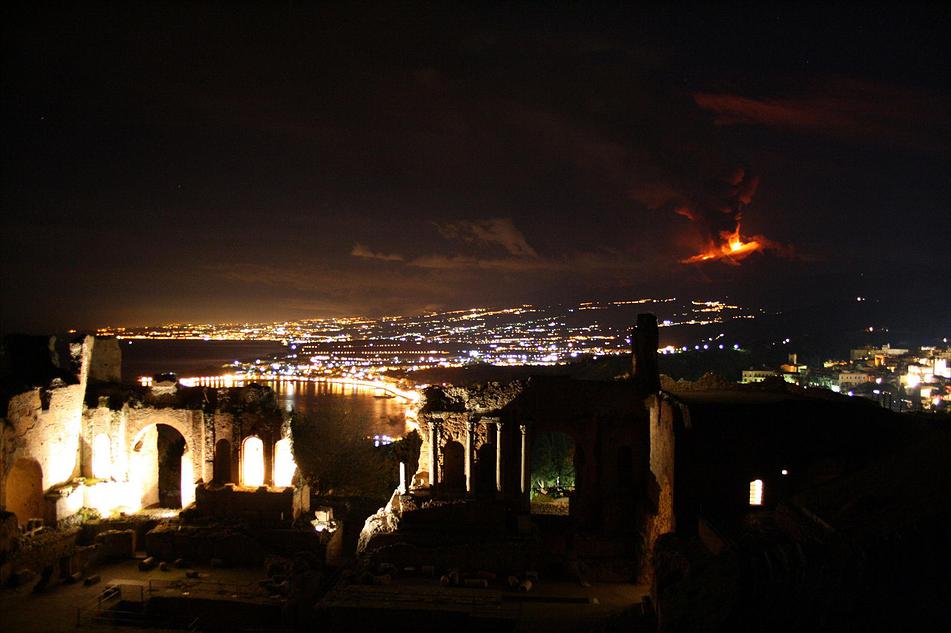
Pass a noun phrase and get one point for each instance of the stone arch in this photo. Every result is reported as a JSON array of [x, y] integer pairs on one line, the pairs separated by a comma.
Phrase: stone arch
[[139, 425], [284, 465], [160, 467], [252, 461], [24, 488], [454, 466], [222, 467]]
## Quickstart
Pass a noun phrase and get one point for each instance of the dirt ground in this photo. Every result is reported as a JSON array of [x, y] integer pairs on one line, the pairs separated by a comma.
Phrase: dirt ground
[[55, 609]]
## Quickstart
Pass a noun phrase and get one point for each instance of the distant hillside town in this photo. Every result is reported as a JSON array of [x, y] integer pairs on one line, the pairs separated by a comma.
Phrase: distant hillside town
[[896, 378]]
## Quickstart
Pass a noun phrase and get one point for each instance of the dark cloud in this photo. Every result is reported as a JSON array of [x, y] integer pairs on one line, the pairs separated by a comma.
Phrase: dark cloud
[[850, 109], [250, 161], [493, 232], [359, 250]]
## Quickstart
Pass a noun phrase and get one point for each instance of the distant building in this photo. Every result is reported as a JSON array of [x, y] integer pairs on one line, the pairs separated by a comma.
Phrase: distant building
[[849, 379], [877, 354], [757, 375]]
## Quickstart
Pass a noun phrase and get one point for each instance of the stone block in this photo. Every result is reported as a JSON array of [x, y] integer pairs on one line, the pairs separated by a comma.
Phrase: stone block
[[116, 544]]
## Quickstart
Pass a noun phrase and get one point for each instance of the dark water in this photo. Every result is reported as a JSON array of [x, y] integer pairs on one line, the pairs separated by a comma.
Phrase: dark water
[[205, 358], [382, 416]]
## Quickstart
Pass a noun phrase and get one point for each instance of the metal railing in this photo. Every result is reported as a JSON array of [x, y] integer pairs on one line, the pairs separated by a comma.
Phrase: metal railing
[[107, 609]]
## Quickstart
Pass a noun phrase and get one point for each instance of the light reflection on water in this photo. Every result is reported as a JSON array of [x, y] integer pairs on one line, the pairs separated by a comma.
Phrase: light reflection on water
[[307, 397]]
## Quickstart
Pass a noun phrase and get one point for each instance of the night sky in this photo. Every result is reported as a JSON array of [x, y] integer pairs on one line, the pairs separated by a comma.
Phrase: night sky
[[231, 162]]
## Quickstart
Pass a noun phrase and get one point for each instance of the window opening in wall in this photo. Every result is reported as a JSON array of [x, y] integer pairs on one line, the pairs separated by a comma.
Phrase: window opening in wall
[[553, 463], [756, 492]]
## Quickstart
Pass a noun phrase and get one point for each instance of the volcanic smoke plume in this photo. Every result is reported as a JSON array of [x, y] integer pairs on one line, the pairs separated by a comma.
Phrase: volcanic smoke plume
[[717, 211]]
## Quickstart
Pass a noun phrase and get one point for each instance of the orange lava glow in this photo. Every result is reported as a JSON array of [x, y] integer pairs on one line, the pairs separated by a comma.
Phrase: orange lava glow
[[732, 249]]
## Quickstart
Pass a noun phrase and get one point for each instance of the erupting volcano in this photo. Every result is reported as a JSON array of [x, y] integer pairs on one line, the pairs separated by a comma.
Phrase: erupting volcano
[[716, 212], [733, 248]]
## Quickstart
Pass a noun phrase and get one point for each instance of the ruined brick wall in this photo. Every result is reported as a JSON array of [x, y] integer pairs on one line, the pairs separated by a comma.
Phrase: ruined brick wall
[[660, 484], [43, 437]]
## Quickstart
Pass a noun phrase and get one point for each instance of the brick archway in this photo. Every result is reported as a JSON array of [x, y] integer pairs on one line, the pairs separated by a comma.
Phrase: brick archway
[[160, 467]]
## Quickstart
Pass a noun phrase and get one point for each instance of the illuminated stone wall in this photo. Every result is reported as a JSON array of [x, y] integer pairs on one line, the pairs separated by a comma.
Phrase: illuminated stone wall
[[44, 425]]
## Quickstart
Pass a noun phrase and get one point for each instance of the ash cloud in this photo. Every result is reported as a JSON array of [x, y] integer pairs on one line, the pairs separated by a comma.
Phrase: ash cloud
[[713, 203], [858, 111]]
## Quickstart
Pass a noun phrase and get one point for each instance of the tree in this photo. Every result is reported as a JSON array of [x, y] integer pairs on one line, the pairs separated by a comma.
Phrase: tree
[[553, 460], [335, 454]]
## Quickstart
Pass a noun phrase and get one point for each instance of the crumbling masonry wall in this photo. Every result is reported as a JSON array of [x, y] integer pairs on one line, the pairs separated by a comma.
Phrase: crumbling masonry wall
[[68, 446], [43, 426], [469, 416]]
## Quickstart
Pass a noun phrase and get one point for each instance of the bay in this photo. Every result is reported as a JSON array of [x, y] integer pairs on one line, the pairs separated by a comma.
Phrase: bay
[[364, 406]]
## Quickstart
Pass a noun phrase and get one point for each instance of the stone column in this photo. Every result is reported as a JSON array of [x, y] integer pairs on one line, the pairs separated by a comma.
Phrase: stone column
[[268, 460], [498, 456], [523, 462], [433, 454], [210, 437], [470, 429]]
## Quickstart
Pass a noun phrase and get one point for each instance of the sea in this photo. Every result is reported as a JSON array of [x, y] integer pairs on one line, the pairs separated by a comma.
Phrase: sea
[[380, 414]]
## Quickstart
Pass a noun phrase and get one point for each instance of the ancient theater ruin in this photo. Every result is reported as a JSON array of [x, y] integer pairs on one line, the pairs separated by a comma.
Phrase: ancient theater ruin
[[491, 452], [755, 498], [712, 505]]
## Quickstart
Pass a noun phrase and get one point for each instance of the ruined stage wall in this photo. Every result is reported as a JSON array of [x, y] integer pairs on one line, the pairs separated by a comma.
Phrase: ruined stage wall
[[66, 447]]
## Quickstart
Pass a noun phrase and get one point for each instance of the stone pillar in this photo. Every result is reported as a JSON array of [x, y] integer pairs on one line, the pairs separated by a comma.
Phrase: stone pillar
[[209, 437], [523, 462], [645, 374], [498, 456], [470, 430], [433, 454], [268, 460]]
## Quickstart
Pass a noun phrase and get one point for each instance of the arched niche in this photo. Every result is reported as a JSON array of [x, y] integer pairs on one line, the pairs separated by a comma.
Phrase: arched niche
[[252, 462], [454, 467], [222, 468], [24, 490]]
